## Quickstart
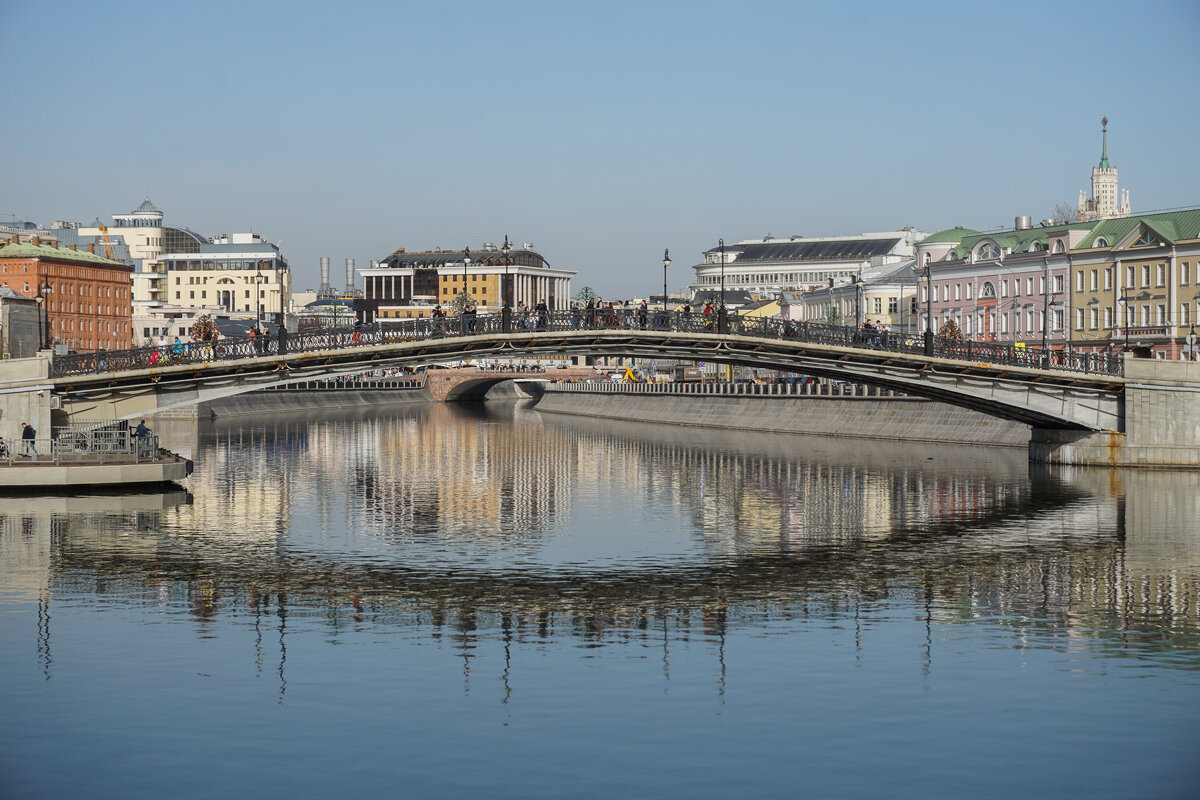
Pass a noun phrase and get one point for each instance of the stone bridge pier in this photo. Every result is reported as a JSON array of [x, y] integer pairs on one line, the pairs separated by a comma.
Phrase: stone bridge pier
[[461, 384]]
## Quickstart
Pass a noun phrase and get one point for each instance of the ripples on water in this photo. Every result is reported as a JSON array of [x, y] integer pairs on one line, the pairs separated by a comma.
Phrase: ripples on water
[[703, 612]]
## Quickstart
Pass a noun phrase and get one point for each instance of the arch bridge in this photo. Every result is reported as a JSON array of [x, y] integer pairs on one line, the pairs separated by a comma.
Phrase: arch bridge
[[1046, 389]]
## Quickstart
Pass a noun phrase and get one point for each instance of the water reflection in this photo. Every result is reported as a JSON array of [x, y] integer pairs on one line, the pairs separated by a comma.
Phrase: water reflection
[[470, 523]]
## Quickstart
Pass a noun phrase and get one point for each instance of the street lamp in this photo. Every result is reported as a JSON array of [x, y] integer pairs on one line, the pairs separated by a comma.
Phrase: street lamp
[[666, 263], [721, 244], [258, 299], [504, 289], [466, 264], [858, 284], [1125, 304], [928, 309]]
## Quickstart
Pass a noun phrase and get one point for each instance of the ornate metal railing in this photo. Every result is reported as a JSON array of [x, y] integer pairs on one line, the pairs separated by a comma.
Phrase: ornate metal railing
[[383, 332]]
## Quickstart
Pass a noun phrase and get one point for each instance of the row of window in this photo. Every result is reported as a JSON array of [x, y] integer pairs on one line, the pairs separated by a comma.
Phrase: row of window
[[1158, 272], [1003, 323], [1143, 315], [962, 291], [778, 278], [89, 325], [204, 294]]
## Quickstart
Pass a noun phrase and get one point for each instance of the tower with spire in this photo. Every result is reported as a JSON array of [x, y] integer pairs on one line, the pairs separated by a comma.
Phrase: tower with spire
[[1107, 200]]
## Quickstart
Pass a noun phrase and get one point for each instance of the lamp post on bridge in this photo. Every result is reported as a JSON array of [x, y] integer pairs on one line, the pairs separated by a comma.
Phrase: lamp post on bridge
[[666, 263], [928, 310], [44, 289]]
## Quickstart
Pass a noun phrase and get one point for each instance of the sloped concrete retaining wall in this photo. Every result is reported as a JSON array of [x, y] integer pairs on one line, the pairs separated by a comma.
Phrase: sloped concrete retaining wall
[[898, 418]]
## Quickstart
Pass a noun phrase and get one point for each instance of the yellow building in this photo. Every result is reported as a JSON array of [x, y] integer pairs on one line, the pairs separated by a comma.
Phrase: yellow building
[[409, 284]]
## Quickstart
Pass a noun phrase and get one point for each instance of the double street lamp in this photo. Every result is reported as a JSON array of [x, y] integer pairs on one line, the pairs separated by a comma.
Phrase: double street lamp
[[1144, 295]]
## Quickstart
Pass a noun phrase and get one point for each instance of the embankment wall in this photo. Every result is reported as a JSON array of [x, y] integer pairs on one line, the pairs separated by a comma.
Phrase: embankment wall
[[896, 418], [274, 402]]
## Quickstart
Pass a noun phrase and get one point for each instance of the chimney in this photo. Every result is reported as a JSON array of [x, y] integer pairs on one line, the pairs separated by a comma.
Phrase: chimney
[[92, 247], [54, 245], [35, 241], [73, 247]]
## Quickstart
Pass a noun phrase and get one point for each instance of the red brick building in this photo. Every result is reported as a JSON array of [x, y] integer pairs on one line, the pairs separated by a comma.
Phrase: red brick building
[[86, 298]]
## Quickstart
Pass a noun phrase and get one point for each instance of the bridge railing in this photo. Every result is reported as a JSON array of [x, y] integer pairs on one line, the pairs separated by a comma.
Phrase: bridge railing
[[526, 321]]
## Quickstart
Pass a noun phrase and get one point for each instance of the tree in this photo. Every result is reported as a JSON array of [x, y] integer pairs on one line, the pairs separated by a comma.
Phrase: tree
[[460, 301], [1064, 213], [584, 295]]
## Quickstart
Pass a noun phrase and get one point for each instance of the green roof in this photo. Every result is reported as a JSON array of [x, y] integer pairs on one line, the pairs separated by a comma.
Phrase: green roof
[[1019, 241], [950, 235], [28, 250], [1171, 226]]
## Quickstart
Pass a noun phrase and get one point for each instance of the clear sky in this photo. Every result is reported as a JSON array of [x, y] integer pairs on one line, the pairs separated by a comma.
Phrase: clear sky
[[602, 132]]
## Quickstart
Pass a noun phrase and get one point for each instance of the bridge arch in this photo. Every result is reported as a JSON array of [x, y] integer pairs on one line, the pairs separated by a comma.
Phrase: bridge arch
[[1042, 398]]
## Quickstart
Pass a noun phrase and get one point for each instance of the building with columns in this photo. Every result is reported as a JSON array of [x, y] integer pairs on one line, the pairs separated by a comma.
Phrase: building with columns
[[770, 265], [410, 284], [1108, 201]]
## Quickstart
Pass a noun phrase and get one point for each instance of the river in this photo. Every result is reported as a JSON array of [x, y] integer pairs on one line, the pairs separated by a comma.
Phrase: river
[[482, 600]]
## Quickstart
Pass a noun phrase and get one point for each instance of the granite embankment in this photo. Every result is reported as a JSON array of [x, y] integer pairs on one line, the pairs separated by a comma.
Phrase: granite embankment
[[894, 417]]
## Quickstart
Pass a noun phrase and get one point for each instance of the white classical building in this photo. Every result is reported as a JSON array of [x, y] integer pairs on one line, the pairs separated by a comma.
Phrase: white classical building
[[1108, 201], [768, 266]]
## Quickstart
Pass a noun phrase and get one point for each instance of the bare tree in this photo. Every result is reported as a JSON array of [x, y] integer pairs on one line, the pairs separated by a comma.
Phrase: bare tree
[[1064, 213]]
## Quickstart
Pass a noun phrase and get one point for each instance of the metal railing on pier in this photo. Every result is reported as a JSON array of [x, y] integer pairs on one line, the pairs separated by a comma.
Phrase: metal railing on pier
[[84, 443], [386, 332]]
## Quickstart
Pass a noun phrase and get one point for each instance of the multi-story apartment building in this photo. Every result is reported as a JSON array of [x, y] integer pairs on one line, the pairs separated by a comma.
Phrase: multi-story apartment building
[[410, 284], [1097, 286], [85, 298]]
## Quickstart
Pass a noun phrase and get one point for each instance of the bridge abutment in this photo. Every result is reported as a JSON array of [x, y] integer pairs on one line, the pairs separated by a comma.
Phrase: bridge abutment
[[25, 391], [1161, 417]]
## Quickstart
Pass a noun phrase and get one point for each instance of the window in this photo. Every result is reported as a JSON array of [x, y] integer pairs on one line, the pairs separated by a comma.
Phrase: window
[[1016, 287], [967, 291], [1058, 283], [1184, 315], [1058, 319], [957, 290], [1108, 317], [1101, 242], [1095, 280], [1161, 275], [1160, 314], [1108, 279], [1147, 239], [1058, 246], [1145, 274], [1093, 317], [878, 305], [1079, 281], [1029, 286], [1184, 274]]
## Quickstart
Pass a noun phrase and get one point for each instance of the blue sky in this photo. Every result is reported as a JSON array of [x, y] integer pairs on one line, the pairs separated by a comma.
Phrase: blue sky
[[601, 132]]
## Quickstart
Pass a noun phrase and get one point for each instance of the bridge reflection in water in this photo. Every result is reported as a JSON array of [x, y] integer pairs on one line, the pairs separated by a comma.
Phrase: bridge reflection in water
[[460, 522]]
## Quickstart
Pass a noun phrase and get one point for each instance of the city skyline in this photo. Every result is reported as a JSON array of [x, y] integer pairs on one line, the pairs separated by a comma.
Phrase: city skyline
[[601, 136]]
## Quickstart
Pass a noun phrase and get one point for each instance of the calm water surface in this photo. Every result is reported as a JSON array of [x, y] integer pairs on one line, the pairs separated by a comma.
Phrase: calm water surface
[[486, 601]]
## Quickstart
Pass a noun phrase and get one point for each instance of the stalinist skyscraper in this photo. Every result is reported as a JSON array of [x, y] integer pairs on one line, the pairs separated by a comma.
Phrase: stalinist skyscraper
[[1103, 202]]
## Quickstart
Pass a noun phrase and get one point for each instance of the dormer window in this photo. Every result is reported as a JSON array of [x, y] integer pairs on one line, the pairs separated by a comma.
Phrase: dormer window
[[1147, 239], [987, 251], [1059, 247], [1101, 241]]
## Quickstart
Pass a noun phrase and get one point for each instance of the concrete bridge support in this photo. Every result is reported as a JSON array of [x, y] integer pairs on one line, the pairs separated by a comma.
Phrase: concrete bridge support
[[1161, 419], [25, 392]]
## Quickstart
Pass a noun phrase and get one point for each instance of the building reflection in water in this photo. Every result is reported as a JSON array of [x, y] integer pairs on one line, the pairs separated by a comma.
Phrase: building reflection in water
[[342, 521]]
